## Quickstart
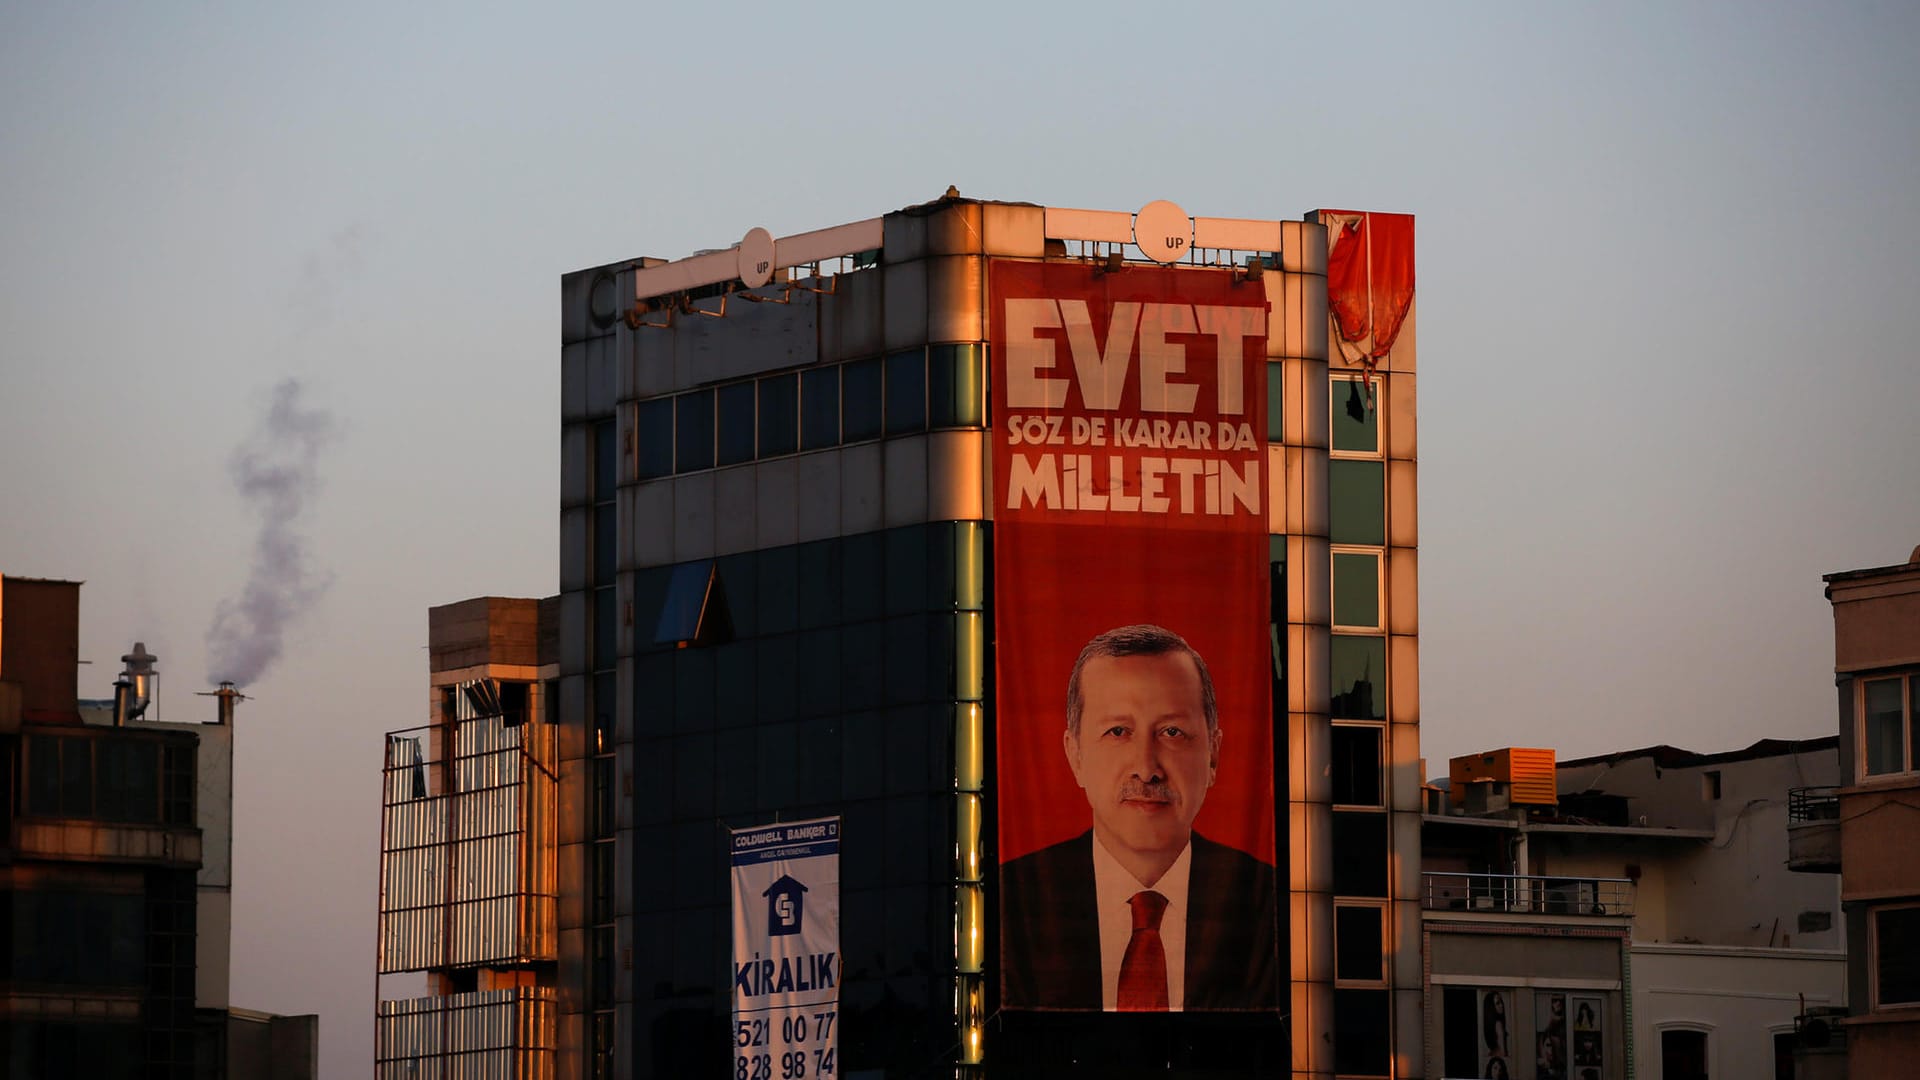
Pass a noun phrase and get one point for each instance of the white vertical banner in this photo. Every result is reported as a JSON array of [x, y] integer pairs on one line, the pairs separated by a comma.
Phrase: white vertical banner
[[786, 950]]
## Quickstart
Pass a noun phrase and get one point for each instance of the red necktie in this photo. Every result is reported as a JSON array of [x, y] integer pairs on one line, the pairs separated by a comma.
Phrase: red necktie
[[1143, 971]]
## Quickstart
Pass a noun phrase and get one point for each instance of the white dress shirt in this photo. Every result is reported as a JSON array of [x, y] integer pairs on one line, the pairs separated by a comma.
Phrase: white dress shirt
[[1113, 889]]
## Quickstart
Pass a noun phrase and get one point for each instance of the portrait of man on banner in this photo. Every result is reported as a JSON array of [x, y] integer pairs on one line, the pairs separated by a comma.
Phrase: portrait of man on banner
[[1140, 902], [1134, 680]]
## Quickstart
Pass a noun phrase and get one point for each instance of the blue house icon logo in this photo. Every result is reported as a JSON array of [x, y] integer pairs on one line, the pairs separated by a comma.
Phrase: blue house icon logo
[[785, 902]]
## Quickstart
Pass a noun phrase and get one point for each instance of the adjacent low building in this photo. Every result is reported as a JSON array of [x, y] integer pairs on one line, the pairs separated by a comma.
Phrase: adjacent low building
[[116, 873], [1650, 886]]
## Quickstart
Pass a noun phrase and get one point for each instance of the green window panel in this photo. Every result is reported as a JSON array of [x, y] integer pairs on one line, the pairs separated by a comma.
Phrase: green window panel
[[1357, 502], [1276, 399], [1356, 589], [1355, 419]]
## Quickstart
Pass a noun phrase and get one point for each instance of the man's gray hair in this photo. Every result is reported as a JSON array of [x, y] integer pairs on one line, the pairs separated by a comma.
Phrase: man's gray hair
[[1140, 639]]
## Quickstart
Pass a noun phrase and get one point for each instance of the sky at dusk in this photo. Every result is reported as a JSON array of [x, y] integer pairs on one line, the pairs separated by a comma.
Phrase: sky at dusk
[[1667, 281]]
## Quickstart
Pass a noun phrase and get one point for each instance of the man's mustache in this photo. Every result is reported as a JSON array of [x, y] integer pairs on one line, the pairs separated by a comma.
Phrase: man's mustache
[[1139, 789]]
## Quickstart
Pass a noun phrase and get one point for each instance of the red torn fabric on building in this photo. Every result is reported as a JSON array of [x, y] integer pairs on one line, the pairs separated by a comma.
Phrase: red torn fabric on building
[[1369, 279]]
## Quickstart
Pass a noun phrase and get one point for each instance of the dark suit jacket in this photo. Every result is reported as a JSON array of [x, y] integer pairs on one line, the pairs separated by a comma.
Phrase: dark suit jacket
[[1050, 932]]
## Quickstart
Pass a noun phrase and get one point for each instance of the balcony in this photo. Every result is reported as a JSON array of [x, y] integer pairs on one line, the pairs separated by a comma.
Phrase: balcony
[[1813, 830], [1516, 894]]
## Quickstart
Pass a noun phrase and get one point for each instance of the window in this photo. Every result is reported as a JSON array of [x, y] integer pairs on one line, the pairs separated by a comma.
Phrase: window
[[1362, 1033], [906, 392], [1896, 956], [1357, 502], [654, 420], [860, 394], [737, 423], [1355, 417], [1357, 756], [819, 408], [1359, 667], [1886, 724], [1359, 937], [779, 415], [693, 431], [1683, 1054], [956, 386], [1356, 590]]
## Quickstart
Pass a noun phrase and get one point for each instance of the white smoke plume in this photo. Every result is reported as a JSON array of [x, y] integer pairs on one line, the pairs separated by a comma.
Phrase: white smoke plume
[[276, 472]]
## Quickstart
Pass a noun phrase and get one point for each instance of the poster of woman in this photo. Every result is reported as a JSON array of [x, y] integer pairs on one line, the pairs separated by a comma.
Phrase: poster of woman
[[1550, 1036], [1496, 1047]]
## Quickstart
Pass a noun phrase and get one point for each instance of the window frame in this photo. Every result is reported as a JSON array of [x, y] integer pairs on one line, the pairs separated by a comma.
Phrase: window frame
[[1873, 960], [1382, 908], [1334, 389], [1906, 678], [1379, 556], [1379, 727], [1704, 1029]]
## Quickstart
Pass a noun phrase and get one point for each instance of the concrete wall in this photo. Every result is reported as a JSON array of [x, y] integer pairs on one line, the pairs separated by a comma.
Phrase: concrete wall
[[1733, 889], [1878, 827], [1874, 620], [1740, 997]]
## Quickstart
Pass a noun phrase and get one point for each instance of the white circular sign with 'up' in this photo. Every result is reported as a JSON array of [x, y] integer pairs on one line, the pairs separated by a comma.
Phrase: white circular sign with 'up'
[[1162, 231], [756, 258]]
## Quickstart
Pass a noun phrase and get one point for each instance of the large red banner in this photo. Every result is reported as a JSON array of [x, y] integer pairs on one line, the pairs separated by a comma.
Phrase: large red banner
[[1134, 732]]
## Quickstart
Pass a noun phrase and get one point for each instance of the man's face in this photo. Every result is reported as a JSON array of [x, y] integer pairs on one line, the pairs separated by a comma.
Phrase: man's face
[[1143, 752]]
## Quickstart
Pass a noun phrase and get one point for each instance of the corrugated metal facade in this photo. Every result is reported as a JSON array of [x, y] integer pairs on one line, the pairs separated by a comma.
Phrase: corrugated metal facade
[[486, 1035], [467, 874]]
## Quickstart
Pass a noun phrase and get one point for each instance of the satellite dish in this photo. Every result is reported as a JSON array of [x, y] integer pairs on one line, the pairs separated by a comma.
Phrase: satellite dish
[[756, 258], [1162, 231]]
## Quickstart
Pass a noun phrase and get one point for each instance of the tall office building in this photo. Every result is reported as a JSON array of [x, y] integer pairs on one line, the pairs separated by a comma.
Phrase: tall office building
[[839, 512]]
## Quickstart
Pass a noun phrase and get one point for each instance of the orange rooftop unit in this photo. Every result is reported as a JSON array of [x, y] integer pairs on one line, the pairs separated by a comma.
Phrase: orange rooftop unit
[[1526, 772]]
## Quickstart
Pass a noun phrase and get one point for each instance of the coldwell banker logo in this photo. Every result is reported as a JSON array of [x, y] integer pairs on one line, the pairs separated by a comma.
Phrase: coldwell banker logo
[[785, 904]]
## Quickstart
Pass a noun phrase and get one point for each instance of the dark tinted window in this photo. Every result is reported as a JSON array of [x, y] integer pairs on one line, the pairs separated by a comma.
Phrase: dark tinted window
[[860, 400], [779, 414], [76, 777], [819, 408], [1896, 946], [1357, 944], [1361, 1040], [1683, 1055], [737, 423], [606, 522], [655, 424], [605, 471], [1356, 766], [1359, 677], [1359, 853], [693, 431], [906, 392], [129, 780]]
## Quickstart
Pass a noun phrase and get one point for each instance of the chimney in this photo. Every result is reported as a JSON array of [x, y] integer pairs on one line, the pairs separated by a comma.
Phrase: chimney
[[228, 697], [131, 703]]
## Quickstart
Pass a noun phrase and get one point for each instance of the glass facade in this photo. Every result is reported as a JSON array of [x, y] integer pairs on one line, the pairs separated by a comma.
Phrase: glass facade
[[836, 692]]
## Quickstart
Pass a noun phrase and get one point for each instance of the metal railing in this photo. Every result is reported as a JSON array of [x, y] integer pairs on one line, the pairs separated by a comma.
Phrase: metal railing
[[1805, 804], [1526, 895]]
